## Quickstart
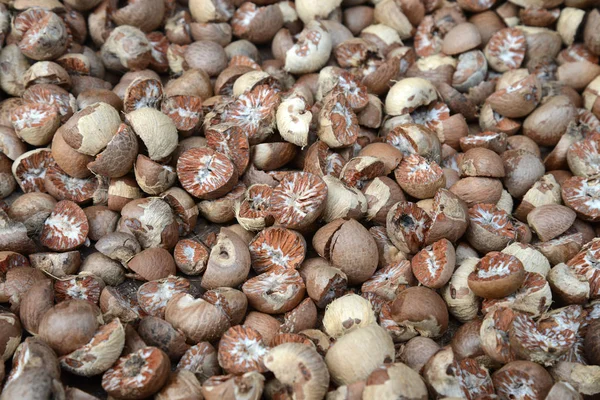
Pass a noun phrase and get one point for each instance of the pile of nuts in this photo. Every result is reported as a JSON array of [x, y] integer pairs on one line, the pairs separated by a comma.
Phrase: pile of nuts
[[310, 199]]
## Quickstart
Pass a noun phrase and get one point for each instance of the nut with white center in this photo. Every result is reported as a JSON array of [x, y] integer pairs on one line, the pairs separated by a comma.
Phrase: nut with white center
[[190, 256], [522, 379], [241, 350], [66, 228], [338, 125], [582, 195], [433, 266], [201, 360], [506, 49], [419, 177], [407, 226], [496, 275], [35, 123], [277, 246], [533, 297], [277, 291], [490, 229], [137, 375], [153, 296], [298, 200], [206, 173]]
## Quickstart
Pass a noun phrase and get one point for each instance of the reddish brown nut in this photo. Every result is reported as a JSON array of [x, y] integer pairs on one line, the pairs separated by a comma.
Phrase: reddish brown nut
[[276, 291], [137, 375], [83, 287], [419, 177], [420, 311], [66, 228], [338, 125], [506, 49], [298, 200], [433, 266], [580, 195], [206, 173], [582, 264], [277, 246], [497, 275], [64, 187], [69, 325], [190, 256], [390, 280]]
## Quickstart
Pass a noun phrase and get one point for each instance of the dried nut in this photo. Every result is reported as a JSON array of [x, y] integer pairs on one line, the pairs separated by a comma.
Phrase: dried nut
[[137, 375], [118, 246], [364, 350], [406, 226], [157, 131], [324, 283], [35, 123], [417, 351], [518, 99], [338, 125], [181, 384], [201, 360], [69, 325], [151, 221], [461, 38], [312, 50], [298, 200], [532, 259], [343, 201], [489, 229], [159, 333], [522, 170], [66, 228], [34, 304], [118, 157], [242, 350], [496, 275], [151, 264], [550, 220], [32, 209], [81, 131], [510, 379], [126, 47], [300, 368], [249, 385], [341, 238], [346, 314], [584, 378], [285, 290], [99, 354], [433, 266], [409, 94], [198, 175], [418, 177], [229, 262], [506, 49], [550, 120], [191, 256], [543, 192], [10, 326], [110, 271], [420, 311], [198, 319], [41, 34]]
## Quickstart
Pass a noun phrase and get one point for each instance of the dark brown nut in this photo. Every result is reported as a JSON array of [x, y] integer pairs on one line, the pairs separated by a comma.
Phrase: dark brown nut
[[420, 311], [159, 333], [69, 325]]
